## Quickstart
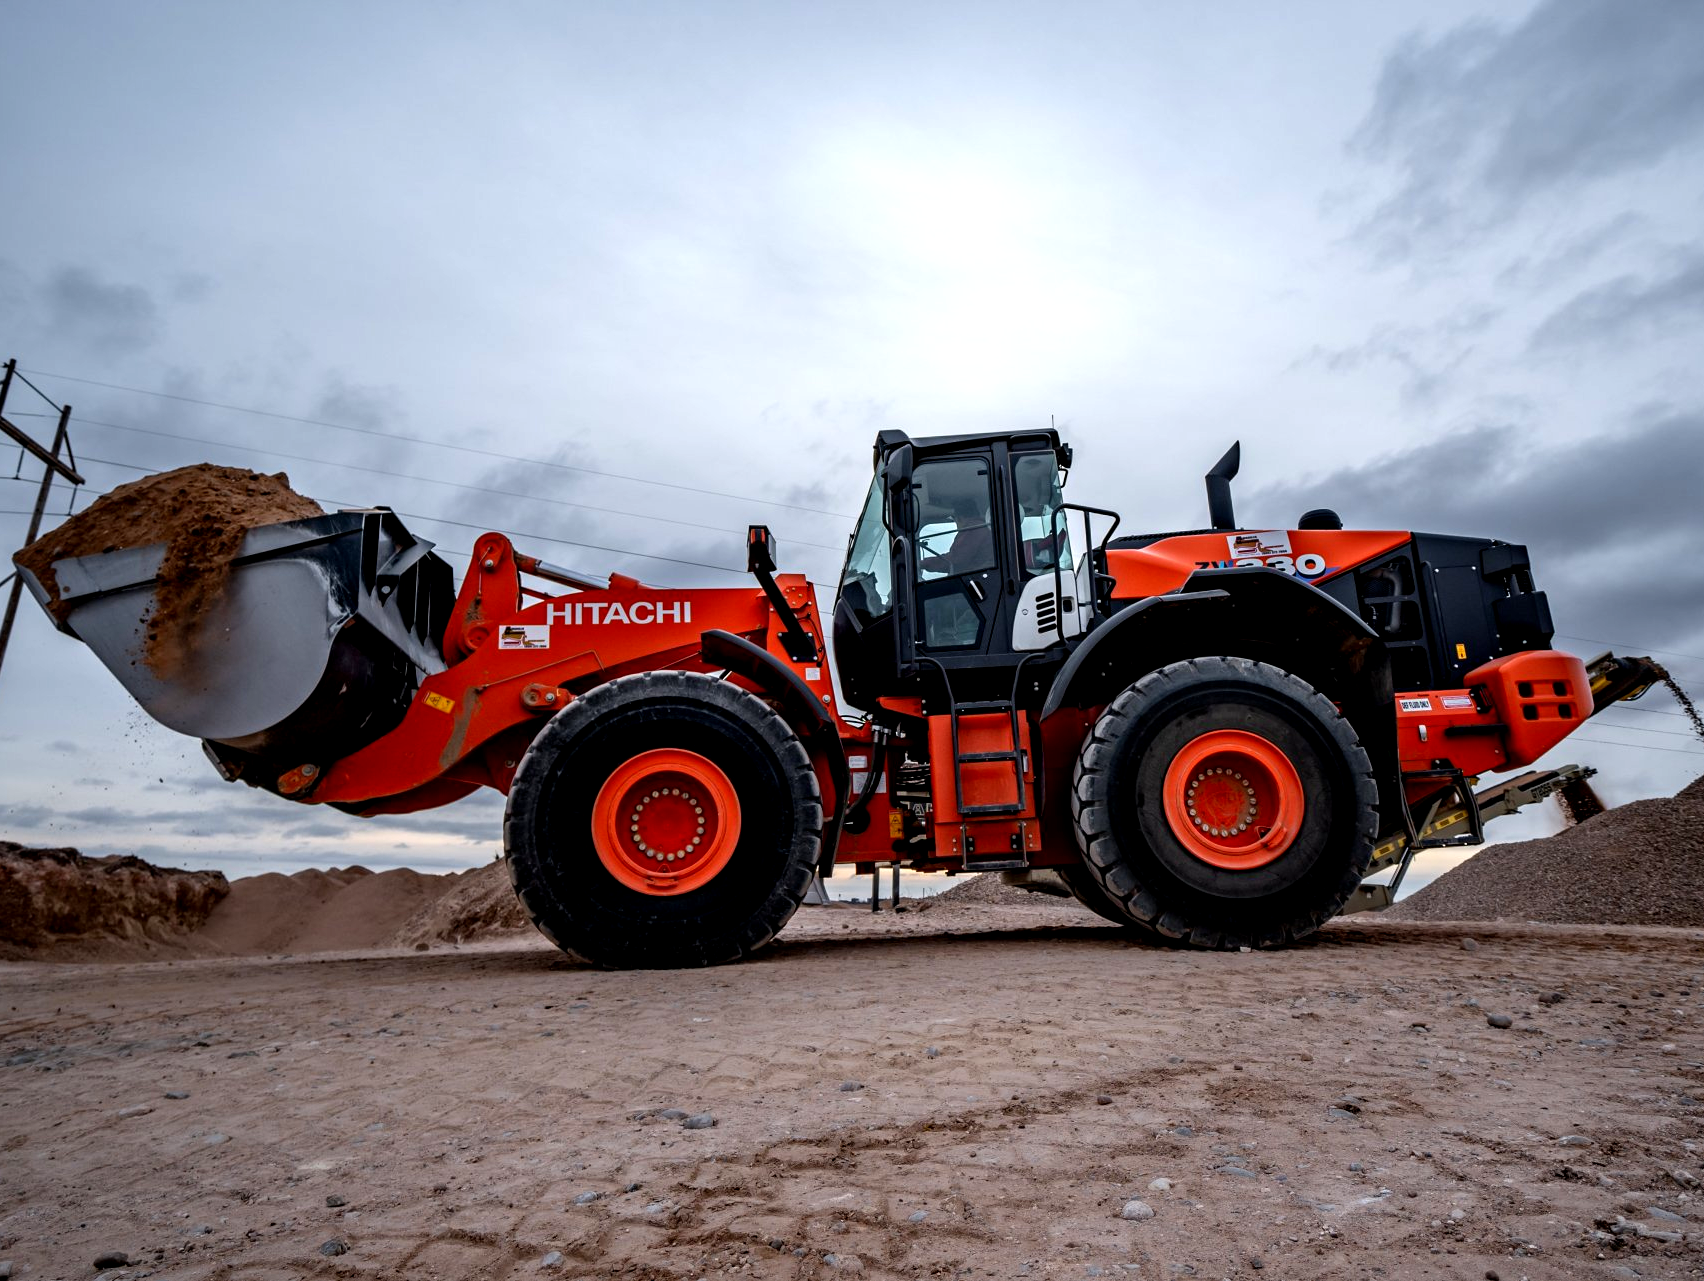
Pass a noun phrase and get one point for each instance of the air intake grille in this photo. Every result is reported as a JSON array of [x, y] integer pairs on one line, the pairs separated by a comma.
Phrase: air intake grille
[[1047, 613]]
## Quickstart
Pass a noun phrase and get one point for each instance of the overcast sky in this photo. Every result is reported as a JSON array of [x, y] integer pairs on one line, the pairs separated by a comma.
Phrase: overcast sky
[[1438, 266]]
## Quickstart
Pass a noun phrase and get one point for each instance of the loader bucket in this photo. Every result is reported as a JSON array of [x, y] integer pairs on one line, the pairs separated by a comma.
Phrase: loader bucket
[[323, 631]]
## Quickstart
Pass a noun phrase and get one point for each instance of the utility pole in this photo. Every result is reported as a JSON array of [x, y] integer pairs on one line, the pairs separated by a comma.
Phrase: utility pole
[[50, 458]]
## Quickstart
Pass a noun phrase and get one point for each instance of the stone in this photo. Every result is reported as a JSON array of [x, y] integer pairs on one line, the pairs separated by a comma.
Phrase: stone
[[1183, 1132], [140, 1109], [917, 1216], [111, 1259], [177, 1094], [332, 1248], [1470, 945], [1669, 1047], [1499, 1020], [1236, 1170], [1103, 1099], [632, 1187], [215, 1139], [1458, 1214], [703, 1121], [1574, 1141], [1257, 1264], [1136, 1210], [1339, 1114], [5, 1270], [335, 1202], [551, 1260], [422, 947], [1160, 1185], [1356, 1166], [847, 1087], [1667, 1216], [672, 1114], [932, 1052], [586, 1198]]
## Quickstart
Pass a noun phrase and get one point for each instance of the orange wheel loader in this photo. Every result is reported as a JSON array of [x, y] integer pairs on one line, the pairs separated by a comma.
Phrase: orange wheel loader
[[1212, 736]]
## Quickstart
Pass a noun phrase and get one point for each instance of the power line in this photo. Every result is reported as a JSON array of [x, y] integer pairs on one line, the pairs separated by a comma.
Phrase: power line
[[543, 538], [439, 444], [1638, 747], [1640, 729], [1618, 645], [430, 480], [1649, 711]]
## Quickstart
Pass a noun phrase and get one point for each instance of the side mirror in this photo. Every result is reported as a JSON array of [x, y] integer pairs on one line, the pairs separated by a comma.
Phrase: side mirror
[[901, 509]]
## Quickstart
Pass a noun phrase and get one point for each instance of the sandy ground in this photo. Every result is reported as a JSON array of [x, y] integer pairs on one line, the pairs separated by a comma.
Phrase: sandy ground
[[961, 1091]]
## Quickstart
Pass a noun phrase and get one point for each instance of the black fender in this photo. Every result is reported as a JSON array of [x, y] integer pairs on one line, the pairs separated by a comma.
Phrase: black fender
[[1251, 612], [800, 708]]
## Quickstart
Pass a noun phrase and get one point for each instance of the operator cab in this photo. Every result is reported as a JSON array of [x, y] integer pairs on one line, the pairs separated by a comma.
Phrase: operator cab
[[961, 561]]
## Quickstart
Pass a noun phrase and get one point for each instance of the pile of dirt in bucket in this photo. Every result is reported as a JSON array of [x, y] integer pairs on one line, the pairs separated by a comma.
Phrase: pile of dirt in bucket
[[477, 904], [1639, 864], [202, 513], [57, 904]]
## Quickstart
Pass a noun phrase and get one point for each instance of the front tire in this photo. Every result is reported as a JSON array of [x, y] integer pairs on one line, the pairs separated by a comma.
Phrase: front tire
[[1225, 803], [663, 820]]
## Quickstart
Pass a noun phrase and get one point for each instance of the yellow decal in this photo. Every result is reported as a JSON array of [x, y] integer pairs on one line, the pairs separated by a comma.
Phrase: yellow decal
[[896, 827], [1461, 650], [439, 703]]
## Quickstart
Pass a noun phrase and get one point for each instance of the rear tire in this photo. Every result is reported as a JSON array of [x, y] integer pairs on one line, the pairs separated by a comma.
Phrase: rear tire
[[1087, 891], [584, 881], [1298, 804]]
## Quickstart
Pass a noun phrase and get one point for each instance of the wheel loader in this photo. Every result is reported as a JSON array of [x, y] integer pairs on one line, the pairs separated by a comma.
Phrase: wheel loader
[[1211, 736]]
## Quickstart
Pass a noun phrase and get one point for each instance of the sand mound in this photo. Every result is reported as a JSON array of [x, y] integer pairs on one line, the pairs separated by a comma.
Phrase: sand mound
[[478, 904], [58, 905], [1638, 864], [201, 513], [319, 911]]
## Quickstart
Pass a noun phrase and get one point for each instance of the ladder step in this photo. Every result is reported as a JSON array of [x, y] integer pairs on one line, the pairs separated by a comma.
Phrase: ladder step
[[994, 863], [989, 811], [971, 757]]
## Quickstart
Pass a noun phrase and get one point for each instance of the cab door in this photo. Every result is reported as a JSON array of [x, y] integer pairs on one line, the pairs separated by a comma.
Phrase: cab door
[[961, 531]]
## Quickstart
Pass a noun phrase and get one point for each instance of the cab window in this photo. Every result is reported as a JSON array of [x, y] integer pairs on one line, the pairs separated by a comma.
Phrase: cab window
[[955, 518], [866, 584], [1041, 545]]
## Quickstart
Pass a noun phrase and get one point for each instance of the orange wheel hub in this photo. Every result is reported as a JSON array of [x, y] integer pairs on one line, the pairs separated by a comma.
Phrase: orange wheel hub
[[1233, 799], [666, 822]]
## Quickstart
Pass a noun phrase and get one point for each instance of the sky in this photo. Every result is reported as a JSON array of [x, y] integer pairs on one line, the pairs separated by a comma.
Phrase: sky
[[617, 280]]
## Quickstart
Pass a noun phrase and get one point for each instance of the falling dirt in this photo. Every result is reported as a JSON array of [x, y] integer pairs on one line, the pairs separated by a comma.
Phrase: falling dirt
[[1681, 697], [202, 513]]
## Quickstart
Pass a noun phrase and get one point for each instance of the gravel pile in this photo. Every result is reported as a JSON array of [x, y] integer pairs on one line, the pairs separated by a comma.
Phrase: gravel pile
[[987, 887], [1639, 864]]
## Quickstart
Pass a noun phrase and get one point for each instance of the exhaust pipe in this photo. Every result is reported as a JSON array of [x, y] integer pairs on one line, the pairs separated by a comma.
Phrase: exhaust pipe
[[1219, 511]]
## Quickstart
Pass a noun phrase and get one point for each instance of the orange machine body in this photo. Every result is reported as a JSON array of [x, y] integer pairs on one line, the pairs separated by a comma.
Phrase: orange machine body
[[1313, 555]]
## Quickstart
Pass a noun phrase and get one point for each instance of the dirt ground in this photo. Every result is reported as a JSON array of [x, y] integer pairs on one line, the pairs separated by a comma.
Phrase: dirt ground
[[967, 1090]]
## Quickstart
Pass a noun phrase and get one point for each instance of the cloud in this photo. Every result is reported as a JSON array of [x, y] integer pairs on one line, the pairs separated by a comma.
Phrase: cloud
[[1610, 520], [1572, 255], [1428, 356], [26, 815], [112, 319], [1629, 307], [64, 745], [1483, 121]]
